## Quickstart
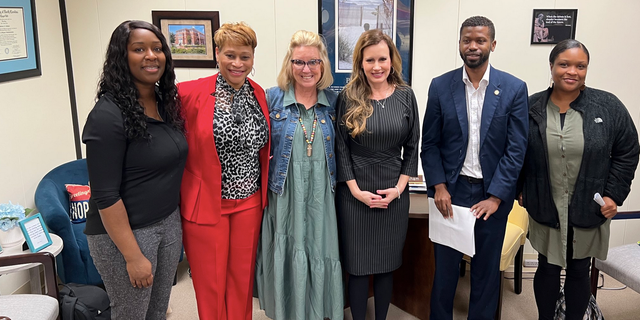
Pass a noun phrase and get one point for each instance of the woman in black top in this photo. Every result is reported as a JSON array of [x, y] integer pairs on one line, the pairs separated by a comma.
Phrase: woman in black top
[[582, 142], [376, 153], [136, 152]]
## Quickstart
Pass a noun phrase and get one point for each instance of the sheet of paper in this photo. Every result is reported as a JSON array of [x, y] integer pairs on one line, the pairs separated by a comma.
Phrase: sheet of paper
[[456, 232]]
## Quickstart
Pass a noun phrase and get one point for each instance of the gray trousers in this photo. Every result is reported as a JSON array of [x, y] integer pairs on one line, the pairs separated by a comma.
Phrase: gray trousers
[[161, 243]]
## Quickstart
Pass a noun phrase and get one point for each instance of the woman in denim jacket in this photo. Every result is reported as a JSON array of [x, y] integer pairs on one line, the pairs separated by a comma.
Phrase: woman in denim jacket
[[298, 272]]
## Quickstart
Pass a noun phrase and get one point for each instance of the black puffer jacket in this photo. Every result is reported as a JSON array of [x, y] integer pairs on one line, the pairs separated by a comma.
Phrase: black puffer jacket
[[609, 159]]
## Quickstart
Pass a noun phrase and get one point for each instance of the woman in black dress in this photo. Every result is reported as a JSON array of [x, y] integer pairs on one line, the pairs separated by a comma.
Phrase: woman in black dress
[[376, 149]]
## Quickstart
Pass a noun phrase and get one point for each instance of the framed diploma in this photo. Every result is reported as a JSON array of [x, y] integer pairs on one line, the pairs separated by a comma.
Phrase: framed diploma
[[35, 232], [19, 53]]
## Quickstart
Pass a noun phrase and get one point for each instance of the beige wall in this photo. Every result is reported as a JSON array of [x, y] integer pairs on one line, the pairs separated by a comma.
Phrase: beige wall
[[36, 121]]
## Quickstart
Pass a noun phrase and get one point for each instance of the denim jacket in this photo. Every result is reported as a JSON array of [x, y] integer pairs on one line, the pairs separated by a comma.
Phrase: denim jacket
[[284, 120]]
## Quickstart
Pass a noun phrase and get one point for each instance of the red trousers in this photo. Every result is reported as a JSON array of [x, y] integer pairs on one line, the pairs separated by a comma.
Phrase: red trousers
[[222, 259]]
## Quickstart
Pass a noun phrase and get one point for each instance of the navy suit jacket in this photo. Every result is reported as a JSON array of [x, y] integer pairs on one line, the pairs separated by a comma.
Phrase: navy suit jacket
[[503, 133]]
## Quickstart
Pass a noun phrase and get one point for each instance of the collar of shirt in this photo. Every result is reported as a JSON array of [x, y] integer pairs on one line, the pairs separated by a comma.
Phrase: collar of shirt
[[290, 97], [483, 82], [475, 100]]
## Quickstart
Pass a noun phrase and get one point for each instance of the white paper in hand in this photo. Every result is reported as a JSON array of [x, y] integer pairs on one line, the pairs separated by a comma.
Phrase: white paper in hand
[[456, 232], [598, 198]]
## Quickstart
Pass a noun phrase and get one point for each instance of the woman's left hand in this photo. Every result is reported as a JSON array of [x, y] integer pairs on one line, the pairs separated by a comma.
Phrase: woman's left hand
[[388, 195], [610, 209]]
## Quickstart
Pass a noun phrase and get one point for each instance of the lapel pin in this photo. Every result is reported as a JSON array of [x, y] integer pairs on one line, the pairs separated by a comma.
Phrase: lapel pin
[[597, 120], [497, 92]]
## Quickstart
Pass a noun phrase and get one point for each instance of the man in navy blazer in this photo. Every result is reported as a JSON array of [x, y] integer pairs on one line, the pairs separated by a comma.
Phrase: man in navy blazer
[[473, 145]]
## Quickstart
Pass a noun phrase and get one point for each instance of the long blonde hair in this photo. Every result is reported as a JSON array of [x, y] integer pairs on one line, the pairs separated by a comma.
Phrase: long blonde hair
[[358, 91], [303, 38]]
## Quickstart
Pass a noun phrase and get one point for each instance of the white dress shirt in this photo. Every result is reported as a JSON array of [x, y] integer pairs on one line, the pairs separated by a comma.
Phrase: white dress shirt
[[475, 102]]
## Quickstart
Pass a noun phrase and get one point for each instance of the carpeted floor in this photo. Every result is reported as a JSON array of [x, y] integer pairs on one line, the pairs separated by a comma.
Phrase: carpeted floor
[[615, 304]]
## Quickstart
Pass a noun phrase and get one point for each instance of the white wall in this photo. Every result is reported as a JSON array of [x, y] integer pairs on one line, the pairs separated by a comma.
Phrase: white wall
[[35, 123], [35, 120], [92, 22], [604, 26]]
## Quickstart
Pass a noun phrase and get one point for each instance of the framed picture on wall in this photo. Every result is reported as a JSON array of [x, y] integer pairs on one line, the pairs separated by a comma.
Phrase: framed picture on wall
[[19, 53], [341, 22], [550, 26], [190, 36]]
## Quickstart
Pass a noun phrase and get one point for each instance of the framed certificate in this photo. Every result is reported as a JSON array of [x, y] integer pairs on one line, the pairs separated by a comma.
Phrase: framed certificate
[[19, 53], [35, 232]]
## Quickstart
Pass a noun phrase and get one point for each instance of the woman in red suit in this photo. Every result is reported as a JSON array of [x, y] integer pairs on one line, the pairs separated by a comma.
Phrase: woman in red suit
[[225, 179]]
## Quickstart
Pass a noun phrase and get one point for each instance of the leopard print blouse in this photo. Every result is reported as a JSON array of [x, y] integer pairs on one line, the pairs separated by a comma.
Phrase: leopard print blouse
[[240, 131]]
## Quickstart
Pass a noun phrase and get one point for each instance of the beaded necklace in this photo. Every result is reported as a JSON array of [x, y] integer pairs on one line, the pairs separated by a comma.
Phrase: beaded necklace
[[313, 133]]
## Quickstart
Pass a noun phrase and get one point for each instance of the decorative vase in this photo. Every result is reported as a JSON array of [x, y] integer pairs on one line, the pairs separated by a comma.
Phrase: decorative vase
[[12, 240]]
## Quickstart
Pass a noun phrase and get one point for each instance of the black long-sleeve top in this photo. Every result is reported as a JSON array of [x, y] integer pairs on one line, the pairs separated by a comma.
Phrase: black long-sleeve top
[[145, 174]]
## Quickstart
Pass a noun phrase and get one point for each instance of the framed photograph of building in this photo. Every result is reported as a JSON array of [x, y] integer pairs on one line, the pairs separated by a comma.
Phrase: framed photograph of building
[[341, 22], [190, 35], [550, 26], [19, 52]]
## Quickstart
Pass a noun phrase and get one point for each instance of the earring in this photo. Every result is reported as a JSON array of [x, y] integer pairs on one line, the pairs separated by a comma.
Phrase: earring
[[551, 83], [217, 66], [253, 71], [393, 70]]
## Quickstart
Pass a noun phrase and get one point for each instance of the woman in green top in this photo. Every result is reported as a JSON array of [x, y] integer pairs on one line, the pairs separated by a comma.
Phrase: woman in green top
[[298, 272], [582, 142]]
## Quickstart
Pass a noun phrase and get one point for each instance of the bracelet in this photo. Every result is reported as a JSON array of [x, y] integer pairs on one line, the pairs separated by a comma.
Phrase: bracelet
[[398, 189]]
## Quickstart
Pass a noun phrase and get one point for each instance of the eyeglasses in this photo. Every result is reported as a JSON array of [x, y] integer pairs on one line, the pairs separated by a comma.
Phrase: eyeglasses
[[313, 63]]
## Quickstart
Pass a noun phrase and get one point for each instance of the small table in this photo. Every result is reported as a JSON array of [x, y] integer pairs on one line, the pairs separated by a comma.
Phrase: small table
[[34, 273]]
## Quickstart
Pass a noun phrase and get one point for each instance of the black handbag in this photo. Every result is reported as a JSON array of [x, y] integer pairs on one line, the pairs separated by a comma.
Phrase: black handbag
[[83, 302]]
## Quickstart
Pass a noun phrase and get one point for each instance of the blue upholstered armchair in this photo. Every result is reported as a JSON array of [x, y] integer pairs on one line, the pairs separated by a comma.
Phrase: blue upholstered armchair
[[74, 263]]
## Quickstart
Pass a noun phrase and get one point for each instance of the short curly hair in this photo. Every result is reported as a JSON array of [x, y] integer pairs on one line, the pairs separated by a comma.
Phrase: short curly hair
[[235, 33]]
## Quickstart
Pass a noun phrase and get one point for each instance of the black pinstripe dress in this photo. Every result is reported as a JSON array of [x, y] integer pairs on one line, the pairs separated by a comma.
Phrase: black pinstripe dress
[[371, 240]]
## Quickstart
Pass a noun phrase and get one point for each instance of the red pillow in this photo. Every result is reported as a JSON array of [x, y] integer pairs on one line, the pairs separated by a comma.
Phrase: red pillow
[[78, 202]]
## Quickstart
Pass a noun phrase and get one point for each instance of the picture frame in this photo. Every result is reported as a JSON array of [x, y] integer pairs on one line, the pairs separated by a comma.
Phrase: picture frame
[[550, 26], [341, 22], [35, 232], [190, 36], [19, 51]]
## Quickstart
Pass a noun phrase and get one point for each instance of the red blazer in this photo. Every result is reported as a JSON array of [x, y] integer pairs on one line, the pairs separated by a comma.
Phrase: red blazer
[[201, 191]]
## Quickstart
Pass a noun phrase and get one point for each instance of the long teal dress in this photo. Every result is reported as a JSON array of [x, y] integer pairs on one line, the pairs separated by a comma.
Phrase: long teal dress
[[298, 272]]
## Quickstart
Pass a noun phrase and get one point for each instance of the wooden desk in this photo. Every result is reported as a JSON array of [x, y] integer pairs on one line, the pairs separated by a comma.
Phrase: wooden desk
[[413, 281]]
